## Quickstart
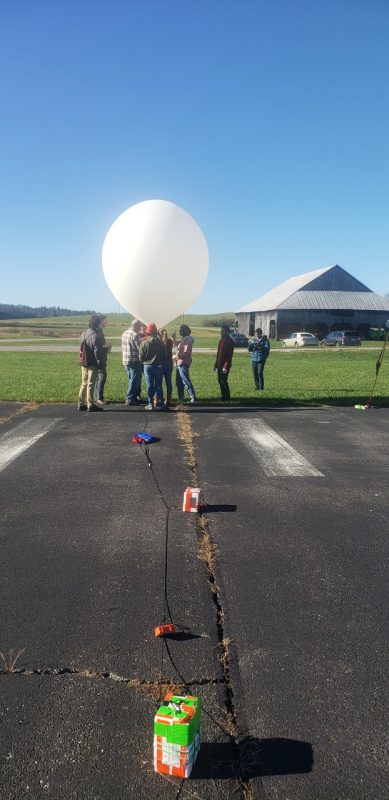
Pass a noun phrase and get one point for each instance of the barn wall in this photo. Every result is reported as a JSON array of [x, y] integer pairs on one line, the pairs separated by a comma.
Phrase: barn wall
[[321, 322], [243, 322], [259, 319], [262, 320], [314, 321]]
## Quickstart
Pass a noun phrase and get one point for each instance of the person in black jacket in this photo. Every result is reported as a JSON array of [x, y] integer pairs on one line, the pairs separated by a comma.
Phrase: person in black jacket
[[152, 356], [223, 361], [102, 376], [95, 358]]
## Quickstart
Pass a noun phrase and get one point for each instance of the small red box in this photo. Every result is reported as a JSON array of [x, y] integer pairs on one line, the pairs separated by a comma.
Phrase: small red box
[[162, 630]]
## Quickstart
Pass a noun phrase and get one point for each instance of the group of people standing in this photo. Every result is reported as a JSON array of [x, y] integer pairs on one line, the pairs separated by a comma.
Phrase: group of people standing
[[148, 352], [152, 356]]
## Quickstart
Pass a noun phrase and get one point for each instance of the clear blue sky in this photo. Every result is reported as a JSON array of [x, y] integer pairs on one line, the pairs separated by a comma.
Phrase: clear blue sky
[[266, 120]]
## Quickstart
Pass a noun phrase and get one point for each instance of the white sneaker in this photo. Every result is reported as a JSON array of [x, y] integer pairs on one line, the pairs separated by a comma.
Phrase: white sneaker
[[149, 407]]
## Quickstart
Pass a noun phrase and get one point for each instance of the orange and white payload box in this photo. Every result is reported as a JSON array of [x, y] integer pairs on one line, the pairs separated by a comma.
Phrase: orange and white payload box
[[192, 499]]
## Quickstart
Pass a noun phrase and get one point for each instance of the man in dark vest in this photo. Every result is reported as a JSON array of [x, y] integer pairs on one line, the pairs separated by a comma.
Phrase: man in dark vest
[[223, 361], [92, 341]]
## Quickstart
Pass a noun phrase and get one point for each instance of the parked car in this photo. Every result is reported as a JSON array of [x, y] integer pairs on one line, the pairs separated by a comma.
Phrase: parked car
[[300, 339], [341, 338], [240, 339]]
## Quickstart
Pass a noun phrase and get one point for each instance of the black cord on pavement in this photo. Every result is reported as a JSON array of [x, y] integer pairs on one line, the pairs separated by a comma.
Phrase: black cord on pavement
[[378, 367], [165, 645], [166, 610]]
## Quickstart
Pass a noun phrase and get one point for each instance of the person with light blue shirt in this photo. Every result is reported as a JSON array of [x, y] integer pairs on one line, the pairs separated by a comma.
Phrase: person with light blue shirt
[[259, 347]]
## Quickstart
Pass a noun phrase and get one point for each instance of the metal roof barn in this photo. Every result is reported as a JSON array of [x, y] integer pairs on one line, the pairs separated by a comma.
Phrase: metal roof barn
[[319, 301]]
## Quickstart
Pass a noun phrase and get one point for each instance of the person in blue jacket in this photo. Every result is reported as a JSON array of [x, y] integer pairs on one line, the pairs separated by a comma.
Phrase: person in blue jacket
[[259, 347]]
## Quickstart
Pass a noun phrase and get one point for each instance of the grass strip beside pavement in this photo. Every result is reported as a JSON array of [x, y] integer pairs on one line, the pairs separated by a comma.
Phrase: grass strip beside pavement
[[204, 337], [332, 377]]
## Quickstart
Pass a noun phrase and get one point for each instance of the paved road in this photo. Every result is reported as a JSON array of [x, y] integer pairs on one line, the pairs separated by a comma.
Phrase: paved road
[[283, 626], [303, 563]]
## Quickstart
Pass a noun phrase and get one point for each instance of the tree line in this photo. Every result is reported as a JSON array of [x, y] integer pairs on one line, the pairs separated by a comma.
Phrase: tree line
[[26, 312]]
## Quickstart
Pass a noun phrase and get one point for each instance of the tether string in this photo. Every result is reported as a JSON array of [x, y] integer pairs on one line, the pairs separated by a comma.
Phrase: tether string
[[378, 367]]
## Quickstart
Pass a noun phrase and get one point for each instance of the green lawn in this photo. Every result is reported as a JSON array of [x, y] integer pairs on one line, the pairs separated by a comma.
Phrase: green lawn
[[204, 337], [66, 330], [59, 332], [341, 377], [62, 327]]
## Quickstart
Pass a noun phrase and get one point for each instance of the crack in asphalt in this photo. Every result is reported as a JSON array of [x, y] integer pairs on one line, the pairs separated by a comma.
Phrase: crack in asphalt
[[93, 674], [208, 554], [23, 410]]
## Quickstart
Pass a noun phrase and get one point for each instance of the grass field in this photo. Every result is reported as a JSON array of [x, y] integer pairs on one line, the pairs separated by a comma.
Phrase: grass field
[[204, 337], [335, 377], [62, 327], [67, 330]]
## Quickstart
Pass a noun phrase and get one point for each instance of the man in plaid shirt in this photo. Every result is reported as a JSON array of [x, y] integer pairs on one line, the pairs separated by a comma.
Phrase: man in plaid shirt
[[130, 350]]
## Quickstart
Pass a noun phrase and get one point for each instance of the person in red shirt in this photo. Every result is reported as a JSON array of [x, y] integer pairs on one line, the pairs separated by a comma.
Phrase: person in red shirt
[[223, 361]]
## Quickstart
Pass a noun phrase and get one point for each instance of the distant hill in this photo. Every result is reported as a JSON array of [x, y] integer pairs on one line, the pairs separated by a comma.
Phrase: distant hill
[[26, 312]]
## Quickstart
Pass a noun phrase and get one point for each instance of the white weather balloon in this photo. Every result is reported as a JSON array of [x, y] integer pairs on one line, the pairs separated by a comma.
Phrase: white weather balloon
[[155, 260]]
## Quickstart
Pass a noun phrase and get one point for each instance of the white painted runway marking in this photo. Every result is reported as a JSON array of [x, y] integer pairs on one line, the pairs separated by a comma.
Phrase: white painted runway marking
[[275, 455], [15, 442]]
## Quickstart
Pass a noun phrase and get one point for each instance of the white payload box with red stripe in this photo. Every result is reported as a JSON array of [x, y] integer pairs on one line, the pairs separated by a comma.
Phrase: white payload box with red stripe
[[192, 499]]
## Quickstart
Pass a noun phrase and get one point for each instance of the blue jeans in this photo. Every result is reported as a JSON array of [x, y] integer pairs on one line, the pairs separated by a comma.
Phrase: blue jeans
[[134, 370], [167, 374], [183, 382], [153, 377], [258, 367], [99, 390]]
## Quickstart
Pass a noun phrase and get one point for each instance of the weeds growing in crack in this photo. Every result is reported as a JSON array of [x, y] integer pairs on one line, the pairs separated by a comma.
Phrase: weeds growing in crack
[[246, 790], [207, 551], [227, 721], [23, 410], [156, 690], [186, 435], [224, 656], [10, 659]]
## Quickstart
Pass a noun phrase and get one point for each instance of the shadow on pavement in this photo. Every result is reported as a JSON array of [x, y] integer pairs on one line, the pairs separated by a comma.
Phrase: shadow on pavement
[[208, 405], [207, 509], [182, 636], [206, 409], [257, 757]]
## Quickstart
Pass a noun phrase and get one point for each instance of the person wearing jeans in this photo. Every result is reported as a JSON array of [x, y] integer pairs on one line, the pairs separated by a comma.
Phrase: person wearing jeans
[[132, 362], [167, 364], [183, 362], [259, 347], [102, 376], [152, 356], [223, 361]]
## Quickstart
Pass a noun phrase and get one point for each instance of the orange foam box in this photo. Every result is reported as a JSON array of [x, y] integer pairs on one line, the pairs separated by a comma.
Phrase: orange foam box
[[163, 630]]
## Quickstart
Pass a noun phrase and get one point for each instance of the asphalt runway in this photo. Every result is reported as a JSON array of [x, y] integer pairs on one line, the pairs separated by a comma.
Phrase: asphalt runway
[[283, 621]]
